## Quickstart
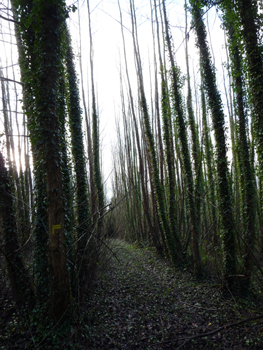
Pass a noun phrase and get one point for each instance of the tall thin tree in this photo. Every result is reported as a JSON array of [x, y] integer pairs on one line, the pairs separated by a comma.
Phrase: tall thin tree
[[215, 104]]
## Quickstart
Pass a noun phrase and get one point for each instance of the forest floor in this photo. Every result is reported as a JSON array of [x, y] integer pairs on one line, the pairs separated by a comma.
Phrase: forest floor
[[139, 301]]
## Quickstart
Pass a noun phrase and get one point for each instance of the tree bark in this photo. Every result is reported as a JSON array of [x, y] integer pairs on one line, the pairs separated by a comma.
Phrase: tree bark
[[215, 104]]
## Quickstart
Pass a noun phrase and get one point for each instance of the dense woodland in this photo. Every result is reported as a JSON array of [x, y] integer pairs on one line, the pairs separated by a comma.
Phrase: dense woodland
[[187, 161]]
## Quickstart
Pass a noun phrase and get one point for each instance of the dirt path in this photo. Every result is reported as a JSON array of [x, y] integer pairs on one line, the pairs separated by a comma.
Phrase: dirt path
[[140, 302]]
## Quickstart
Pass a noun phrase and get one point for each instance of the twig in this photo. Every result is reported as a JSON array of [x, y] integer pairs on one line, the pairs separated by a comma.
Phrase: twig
[[13, 81], [212, 332], [200, 307], [112, 252], [9, 19]]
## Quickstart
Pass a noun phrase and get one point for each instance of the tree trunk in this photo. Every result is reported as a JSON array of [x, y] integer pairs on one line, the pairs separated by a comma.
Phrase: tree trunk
[[215, 104], [75, 122], [18, 276], [178, 108], [48, 58], [96, 142], [246, 173]]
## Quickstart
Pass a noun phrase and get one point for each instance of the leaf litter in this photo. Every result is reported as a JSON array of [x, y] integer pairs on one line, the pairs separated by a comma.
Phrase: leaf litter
[[140, 301]]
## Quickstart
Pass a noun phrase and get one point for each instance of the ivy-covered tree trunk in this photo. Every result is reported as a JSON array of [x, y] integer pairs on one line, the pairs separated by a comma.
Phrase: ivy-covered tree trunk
[[169, 152], [96, 143], [25, 38], [196, 150], [70, 221], [18, 276], [169, 149], [75, 121], [215, 104], [158, 189], [210, 173], [180, 122], [13, 160], [159, 140], [251, 33], [246, 172], [49, 23]]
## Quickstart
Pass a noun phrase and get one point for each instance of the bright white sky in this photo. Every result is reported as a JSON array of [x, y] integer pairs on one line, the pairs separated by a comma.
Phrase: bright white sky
[[108, 55], [108, 49]]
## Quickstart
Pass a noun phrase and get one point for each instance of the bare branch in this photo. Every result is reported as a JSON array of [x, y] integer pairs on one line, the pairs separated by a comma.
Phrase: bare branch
[[9, 19], [13, 81], [214, 331]]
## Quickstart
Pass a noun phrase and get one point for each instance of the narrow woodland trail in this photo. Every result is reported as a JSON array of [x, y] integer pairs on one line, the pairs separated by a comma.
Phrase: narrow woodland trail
[[140, 302]]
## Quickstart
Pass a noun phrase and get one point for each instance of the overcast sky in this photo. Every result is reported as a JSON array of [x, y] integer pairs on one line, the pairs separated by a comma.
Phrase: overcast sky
[[108, 51], [108, 54]]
